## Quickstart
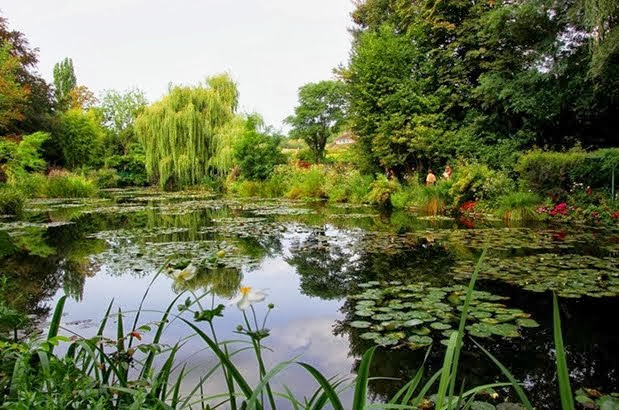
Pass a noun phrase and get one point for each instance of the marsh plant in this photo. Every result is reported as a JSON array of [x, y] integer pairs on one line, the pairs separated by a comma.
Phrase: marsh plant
[[125, 370]]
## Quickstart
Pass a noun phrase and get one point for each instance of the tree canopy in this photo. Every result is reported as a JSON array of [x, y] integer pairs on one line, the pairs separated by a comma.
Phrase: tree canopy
[[64, 82], [484, 80], [189, 134], [319, 114]]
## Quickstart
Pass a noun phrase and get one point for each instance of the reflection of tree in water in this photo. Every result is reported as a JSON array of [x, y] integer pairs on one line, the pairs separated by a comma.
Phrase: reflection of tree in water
[[222, 281], [37, 262], [332, 269]]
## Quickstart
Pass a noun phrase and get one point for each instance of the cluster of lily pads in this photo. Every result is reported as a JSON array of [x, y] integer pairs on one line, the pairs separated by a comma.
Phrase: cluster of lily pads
[[570, 275], [414, 315]]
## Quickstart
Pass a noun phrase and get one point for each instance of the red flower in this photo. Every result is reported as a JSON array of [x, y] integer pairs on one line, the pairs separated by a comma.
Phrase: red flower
[[560, 209], [615, 215], [468, 206]]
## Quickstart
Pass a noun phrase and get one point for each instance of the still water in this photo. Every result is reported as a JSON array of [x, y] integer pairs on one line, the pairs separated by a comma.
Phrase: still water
[[313, 259]]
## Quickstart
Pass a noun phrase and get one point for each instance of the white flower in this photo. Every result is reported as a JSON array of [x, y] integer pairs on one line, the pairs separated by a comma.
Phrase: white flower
[[247, 296], [184, 274]]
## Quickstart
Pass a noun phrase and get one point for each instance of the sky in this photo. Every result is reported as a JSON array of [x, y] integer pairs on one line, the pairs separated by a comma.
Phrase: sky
[[269, 47]]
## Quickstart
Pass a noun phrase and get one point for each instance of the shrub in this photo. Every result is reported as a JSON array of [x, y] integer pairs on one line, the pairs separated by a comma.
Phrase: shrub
[[347, 185], [381, 191], [11, 200], [80, 138], [63, 184], [519, 206], [307, 183], [105, 177], [130, 169], [32, 185], [258, 154], [474, 182], [557, 173]]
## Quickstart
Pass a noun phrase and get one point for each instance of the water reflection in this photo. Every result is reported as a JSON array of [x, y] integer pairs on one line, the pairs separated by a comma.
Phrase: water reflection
[[311, 257]]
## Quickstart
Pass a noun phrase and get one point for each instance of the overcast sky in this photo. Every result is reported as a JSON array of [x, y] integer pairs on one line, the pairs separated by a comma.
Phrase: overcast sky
[[270, 47]]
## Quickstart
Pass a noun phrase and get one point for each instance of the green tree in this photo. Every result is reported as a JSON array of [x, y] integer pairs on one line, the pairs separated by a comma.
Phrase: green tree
[[13, 95], [393, 107], [19, 158], [64, 82], [189, 134], [257, 152], [80, 137], [37, 109], [319, 114], [120, 109], [497, 77]]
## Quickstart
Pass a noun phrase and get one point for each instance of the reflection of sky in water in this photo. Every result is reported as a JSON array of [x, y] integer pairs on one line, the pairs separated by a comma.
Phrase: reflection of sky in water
[[300, 325], [325, 254]]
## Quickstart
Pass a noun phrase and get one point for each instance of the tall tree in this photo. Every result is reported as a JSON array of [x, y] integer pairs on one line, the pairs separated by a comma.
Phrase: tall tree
[[188, 135], [37, 109], [120, 109], [13, 95], [319, 114], [80, 137], [501, 75], [64, 82]]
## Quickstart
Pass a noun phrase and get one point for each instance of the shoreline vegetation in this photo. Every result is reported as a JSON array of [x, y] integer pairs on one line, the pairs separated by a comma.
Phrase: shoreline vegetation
[[119, 371], [518, 99]]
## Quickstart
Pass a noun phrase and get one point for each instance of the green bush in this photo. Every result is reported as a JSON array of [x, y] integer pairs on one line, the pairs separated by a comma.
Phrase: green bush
[[381, 191], [11, 200], [475, 182], [130, 169], [558, 173], [32, 185], [62, 184], [347, 185], [519, 206], [306, 183], [105, 177], [257, 154]]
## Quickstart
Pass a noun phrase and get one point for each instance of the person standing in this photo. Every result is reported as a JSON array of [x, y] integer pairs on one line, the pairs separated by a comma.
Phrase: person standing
[[430, 178], [448, 172]]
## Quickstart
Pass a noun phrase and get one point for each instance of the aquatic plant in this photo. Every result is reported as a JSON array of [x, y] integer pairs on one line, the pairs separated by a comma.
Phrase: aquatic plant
[[125, 370], [394, 314]]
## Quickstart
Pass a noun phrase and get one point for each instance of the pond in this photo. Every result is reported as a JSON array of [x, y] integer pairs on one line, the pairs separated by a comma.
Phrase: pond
[[342, 279]]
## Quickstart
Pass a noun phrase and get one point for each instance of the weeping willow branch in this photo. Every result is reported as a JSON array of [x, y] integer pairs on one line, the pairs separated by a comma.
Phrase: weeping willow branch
[[188, 135]]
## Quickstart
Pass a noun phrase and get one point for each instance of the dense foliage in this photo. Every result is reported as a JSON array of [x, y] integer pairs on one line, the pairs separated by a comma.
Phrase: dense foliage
[[430, 80], [257, 152], [319, 115], [187, 135]]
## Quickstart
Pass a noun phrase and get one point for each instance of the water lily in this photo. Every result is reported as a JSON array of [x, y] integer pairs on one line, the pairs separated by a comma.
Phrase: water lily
[[185, 274], [247, 296]]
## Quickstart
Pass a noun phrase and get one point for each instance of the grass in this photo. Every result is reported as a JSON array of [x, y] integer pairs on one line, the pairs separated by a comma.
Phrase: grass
[[67, 185], [519, 206], [11, 200], [119, 371]]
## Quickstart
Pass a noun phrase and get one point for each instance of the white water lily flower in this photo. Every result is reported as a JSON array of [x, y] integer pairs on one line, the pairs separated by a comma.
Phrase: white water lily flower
[[247, 296], [184, 274]]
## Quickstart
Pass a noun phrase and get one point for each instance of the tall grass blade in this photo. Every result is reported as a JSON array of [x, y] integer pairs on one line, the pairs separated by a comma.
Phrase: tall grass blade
[[326, 386], [463, 317], [251, 403], [55, 323], [563, 375], [224, 360], [426, 387], [446, 375], [363, 374], [137, 315], [521, 394]]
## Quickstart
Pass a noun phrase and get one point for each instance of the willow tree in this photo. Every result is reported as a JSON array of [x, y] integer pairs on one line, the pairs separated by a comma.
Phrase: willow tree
[[187, 135]]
